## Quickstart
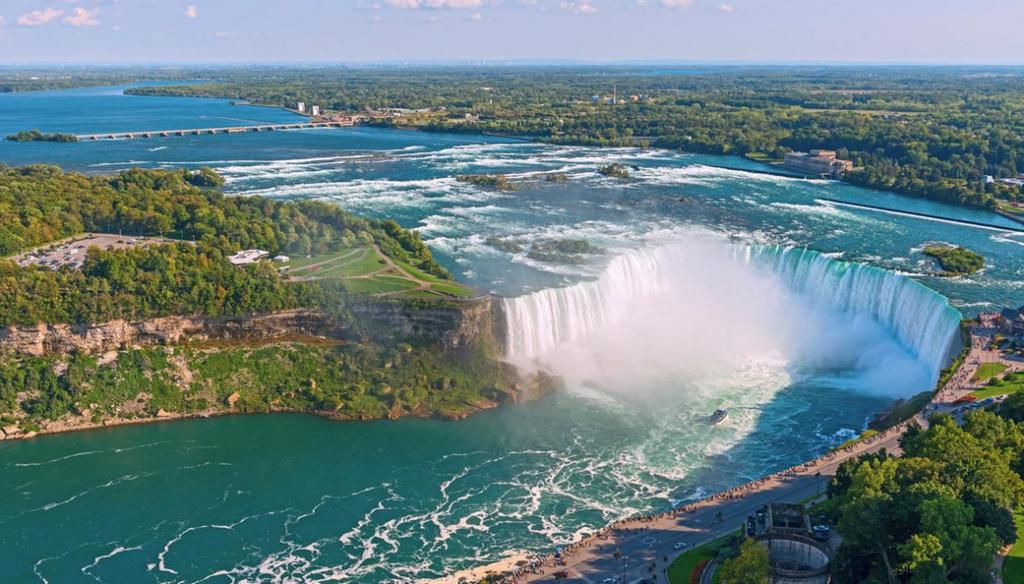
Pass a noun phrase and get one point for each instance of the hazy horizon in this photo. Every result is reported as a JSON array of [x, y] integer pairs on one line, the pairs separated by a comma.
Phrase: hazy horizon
[[913, 32]]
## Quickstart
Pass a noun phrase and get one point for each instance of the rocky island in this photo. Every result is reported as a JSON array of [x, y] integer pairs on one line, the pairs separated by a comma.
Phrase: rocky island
[[955, 261]]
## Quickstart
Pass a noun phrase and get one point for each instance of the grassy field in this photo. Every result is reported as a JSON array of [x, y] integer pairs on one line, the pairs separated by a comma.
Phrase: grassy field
[[681, 568], [365, 271], [1013, 567], [1011, 383], [987, 371]]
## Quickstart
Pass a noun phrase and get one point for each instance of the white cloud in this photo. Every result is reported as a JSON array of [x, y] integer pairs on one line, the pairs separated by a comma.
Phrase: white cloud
[[416, 4], [727, 8], [580, 7], [39, 17], [192, 12], [477, 17], [677, 3], [83, 17]]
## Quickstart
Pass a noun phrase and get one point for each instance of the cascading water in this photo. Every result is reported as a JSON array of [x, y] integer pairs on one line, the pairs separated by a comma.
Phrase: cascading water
[[921, 320], [539, 322]]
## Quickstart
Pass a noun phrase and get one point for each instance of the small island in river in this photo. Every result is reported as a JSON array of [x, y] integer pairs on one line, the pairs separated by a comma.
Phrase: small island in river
[[37, 136], [955, 261]]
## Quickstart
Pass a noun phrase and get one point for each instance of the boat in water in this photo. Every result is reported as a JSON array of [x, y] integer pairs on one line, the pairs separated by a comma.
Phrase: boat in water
[[718, 417]]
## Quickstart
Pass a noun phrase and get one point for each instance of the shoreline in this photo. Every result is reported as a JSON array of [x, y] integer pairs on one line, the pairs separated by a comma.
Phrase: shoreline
[[117, 422]]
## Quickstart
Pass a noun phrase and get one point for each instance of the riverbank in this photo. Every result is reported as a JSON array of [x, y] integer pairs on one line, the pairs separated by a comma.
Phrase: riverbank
[[67, 426]]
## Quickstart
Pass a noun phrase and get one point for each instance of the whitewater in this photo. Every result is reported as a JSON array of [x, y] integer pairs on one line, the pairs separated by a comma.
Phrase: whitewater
[[716, 288]]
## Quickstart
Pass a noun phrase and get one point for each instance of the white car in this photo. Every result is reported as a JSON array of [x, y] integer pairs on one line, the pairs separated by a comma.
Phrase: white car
[[679, 545]]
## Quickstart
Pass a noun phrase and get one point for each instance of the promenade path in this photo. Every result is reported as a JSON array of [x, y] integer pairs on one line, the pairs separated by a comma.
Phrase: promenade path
[[640, 550]]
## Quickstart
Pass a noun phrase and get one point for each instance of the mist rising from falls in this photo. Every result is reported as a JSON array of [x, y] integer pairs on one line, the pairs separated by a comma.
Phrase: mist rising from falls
[[706, 307]]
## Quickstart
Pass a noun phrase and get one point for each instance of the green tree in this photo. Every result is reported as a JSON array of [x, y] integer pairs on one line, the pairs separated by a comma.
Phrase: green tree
[[749, 567]]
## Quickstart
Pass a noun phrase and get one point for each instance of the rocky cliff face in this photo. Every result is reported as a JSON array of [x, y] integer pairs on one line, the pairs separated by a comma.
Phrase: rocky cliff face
[[453, 326], [471, 324]]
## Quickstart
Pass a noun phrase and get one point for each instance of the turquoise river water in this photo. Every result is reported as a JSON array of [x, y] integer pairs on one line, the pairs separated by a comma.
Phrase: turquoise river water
[[718, 288]]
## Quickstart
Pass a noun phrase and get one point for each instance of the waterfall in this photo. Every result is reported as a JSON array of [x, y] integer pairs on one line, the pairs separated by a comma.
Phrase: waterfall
[[920, 319], [539, 322]]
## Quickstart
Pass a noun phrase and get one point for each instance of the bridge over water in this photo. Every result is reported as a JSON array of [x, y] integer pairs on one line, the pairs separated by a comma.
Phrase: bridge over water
[[205, 131]]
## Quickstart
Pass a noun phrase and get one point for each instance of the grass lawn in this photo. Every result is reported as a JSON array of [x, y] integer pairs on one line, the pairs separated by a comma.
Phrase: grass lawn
[[297, 263], [449, 287], [987, 371], [339, 264], [378, 285], [1012, 383], [349, 264], [420, 295], [682, 567], [1013, 567]]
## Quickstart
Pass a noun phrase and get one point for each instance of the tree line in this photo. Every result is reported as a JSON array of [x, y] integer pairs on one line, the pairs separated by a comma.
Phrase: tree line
[[929, 132], [938, 513], [43, 204]]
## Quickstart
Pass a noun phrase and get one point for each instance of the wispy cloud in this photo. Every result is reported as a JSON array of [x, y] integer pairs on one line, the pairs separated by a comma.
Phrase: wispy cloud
[[83, 17], [677, 3], [39, 17], [416, 4], [729, 8], [192, 12], [580, 7]]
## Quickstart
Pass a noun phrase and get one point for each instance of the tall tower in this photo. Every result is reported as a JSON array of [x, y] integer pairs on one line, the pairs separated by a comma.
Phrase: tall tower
[[615, 94]]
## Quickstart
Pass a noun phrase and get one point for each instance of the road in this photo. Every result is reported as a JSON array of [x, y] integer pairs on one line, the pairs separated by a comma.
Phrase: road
[[647, 547]]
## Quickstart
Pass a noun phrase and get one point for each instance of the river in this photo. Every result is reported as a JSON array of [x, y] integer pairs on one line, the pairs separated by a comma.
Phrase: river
[[704, 297]]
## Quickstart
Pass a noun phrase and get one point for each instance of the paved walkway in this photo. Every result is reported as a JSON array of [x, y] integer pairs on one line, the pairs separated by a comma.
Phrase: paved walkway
[[641, 549]]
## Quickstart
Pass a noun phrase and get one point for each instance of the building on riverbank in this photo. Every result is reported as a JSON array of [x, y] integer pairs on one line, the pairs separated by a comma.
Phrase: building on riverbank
[[818, 162]]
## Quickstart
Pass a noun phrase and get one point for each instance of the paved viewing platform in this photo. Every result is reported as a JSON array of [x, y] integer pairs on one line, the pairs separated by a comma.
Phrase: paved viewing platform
[[641, 549], [208, 131]]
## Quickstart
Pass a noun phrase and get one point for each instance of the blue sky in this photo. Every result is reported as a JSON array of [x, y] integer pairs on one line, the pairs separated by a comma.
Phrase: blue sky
[[937, 31]]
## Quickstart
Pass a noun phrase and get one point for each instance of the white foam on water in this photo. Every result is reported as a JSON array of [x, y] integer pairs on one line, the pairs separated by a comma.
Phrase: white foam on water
[[677, 300]]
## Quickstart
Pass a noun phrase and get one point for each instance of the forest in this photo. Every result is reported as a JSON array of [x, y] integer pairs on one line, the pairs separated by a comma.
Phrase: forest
[[941, 511], [934, 132], [192, 276], [344, 380]]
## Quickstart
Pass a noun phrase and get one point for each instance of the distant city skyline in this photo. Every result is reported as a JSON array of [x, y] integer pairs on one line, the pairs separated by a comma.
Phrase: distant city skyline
[[217, 31]]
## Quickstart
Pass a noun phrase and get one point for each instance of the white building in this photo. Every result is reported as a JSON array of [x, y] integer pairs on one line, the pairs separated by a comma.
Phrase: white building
[[248, 256], [316, 110], [302, 107]]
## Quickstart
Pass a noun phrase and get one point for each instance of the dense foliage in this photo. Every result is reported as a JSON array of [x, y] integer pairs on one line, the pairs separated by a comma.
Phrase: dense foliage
[[750, 566], [931, 132], [938, 513], [42, 204], [348, 380], [956, 260], [37, 136]]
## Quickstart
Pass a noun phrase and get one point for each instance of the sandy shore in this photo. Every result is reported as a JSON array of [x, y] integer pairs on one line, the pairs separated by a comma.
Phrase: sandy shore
[[515, 559]]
